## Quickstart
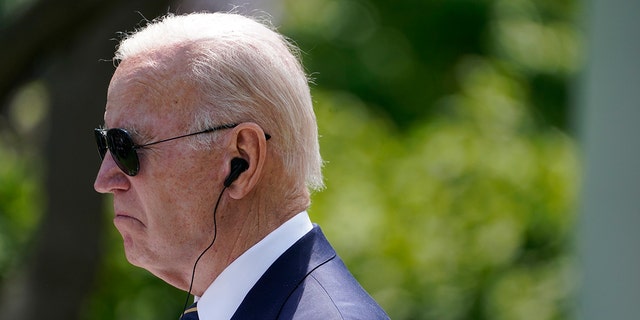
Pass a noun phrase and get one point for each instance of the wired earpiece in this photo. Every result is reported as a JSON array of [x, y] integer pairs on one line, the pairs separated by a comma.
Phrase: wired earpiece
[[238, 166]]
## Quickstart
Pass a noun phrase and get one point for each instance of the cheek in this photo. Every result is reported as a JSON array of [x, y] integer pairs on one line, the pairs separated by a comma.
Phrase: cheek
[[177, 233], [180, 194], [183, 199]]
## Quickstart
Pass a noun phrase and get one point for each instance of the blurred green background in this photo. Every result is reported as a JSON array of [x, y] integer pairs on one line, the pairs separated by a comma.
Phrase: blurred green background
[[452, 165]]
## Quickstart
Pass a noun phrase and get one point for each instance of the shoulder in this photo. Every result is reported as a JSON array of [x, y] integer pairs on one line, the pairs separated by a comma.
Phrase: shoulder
[[310, 282], [331, 292]]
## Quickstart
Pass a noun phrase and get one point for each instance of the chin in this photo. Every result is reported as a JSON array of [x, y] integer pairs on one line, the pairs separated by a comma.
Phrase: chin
[[133, 258], [132, 253]]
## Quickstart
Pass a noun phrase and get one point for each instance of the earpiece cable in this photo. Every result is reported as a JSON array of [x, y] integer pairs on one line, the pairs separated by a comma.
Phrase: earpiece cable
[[215, 234]]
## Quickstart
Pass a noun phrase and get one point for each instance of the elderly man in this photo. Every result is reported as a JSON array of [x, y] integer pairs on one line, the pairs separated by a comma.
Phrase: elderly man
[[210, 150]]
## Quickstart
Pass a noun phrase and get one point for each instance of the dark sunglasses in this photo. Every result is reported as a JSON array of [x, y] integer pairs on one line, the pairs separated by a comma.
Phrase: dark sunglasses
[[123, 149]]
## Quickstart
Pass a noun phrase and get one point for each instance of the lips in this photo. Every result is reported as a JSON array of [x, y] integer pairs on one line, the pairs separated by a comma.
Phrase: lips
[[123, 217]]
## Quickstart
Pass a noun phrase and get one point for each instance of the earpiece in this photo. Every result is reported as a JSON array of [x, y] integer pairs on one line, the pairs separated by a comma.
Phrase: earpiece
[[238, 166]]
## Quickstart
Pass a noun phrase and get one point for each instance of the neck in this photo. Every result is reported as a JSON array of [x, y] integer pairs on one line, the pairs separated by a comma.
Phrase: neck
[[240, 226]]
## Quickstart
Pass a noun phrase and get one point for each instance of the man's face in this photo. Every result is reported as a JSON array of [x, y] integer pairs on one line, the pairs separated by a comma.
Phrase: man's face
[[164, 213]]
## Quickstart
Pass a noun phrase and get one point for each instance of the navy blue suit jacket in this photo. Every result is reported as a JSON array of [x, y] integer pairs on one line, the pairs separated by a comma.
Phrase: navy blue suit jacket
[[309, 281]]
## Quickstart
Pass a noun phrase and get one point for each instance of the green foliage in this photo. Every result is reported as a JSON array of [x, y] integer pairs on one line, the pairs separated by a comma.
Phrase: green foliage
[[466, 217], [381, 50], [21, 187], [451, 190], [20, 204], [401, 57]]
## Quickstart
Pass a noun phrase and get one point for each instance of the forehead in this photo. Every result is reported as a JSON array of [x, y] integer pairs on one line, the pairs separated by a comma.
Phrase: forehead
[[150, 91]]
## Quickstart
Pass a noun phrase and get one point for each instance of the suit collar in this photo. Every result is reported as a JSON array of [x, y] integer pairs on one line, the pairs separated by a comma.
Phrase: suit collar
[[284, 276]]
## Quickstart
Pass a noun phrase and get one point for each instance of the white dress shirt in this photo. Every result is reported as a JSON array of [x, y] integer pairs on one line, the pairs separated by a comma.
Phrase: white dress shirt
[[223, 297]]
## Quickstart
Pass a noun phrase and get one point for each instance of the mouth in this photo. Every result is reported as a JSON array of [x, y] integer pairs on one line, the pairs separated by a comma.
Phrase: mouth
[[125, 218]]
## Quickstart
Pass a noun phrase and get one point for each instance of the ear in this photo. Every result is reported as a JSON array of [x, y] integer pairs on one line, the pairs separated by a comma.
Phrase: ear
[[248, 142]]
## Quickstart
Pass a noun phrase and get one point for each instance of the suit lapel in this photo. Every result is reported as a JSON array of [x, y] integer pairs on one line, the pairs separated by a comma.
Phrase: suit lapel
[[269, 294]]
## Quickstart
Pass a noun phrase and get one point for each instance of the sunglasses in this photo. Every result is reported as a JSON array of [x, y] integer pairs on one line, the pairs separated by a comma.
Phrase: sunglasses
[[123, 150]]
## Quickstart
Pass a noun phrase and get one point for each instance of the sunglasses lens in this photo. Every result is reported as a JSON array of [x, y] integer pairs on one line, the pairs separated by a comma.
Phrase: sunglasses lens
[[101, 142], [122, 149]]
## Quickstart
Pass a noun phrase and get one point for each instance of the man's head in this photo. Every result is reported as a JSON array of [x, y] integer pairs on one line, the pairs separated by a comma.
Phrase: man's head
[[185, 74], [242, 70]]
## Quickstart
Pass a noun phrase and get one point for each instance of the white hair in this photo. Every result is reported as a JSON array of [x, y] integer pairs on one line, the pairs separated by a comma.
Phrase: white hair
[[243, 71]]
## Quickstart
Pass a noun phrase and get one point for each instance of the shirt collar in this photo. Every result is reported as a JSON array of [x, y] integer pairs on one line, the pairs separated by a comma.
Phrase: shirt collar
[[225, 294]]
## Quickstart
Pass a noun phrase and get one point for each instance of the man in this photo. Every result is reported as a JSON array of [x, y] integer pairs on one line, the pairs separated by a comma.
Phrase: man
[[210, 150]]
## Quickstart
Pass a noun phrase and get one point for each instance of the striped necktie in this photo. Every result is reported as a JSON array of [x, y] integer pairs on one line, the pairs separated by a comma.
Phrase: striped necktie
[[191, 313]]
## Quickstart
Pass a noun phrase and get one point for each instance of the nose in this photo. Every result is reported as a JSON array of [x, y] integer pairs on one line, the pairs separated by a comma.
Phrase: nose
[[110, 178]]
